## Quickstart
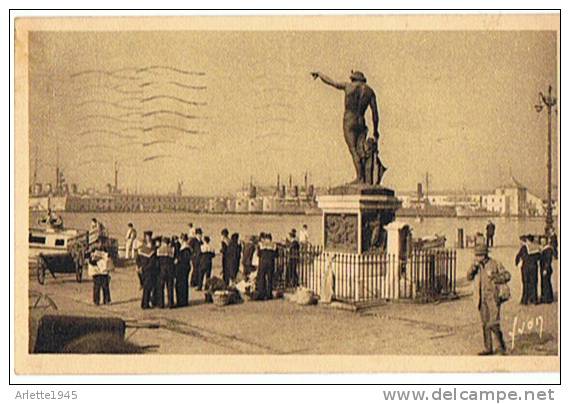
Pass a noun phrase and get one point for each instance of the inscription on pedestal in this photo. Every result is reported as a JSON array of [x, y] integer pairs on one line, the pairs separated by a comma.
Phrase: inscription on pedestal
[[341, 232]]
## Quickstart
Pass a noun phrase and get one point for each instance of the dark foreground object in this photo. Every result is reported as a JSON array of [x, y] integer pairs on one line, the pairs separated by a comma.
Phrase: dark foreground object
[[58, 334], [102, 343]]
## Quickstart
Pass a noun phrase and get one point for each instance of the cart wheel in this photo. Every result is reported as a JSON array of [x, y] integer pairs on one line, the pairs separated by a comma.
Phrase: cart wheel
[[41, 270]]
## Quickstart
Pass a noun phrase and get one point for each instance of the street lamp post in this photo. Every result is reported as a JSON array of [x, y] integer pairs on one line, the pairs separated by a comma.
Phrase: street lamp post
[[549, 102]]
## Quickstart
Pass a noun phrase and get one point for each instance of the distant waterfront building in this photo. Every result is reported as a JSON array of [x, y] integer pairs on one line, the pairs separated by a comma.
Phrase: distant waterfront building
[[135, 203], [511, 199], [278, 199]]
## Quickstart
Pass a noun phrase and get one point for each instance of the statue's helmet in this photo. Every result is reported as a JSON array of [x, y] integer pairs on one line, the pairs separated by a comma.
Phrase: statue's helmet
[[355, 75]]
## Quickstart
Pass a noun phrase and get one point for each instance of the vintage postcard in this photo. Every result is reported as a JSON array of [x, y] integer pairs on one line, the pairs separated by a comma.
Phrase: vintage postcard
[[287, 194]]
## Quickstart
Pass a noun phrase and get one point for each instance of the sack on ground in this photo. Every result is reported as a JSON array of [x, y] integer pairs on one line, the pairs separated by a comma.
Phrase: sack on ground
[[305, 297]]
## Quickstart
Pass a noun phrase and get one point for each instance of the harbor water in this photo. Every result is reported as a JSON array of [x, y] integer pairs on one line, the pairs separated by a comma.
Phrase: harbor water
[[508, 230]]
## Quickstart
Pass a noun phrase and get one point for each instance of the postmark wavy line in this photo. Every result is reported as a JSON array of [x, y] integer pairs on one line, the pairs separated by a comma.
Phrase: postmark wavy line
[[103, 102], [169, 112], [154, 142], [108, 132], [158, 127], [107, 117], [170, 68], [112, 88], [102, 72], [170, 97], [175, 83]]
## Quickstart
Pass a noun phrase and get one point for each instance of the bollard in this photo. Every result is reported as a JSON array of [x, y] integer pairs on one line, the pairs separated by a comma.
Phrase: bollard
[[460, 240]]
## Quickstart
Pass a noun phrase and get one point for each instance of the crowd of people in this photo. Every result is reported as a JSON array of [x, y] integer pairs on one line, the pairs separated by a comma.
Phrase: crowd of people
[[168, 266]]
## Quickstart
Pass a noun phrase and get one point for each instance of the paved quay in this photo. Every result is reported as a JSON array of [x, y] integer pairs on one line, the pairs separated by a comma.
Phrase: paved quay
[[282, 327]]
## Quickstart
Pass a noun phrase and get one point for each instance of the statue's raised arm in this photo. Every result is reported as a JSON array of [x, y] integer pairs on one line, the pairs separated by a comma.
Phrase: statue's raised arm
[[327, 80]]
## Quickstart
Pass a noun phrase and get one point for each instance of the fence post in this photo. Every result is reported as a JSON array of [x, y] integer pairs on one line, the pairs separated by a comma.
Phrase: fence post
[[454, 271]]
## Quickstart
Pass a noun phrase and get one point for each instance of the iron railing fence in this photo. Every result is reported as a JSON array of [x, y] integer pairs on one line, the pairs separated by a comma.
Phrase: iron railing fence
[[421, 275]]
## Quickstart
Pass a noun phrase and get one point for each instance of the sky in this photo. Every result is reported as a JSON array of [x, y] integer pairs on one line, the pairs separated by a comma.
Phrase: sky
[[216, 108]]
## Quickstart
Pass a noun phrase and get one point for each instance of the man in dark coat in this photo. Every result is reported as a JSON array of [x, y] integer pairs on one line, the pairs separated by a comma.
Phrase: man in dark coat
[[247, 258], [490, 273], [146, 261], [548, 253], [182, 272], [165, 256], [223, 250], [293, 246], [175, 242], [529, 255], [207, 254], [267, 255], [490, 230], [233, 255], [195, 247]]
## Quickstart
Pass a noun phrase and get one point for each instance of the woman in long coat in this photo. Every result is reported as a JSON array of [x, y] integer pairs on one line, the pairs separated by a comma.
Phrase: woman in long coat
[[529, 255], [548, 253], [233, 256]]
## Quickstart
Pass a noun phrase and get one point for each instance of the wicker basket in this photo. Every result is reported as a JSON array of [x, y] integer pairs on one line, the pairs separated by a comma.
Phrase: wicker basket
[[222, 298]]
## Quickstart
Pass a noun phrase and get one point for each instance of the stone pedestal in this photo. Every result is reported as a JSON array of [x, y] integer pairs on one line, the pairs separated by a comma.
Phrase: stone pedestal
[[355, 217]]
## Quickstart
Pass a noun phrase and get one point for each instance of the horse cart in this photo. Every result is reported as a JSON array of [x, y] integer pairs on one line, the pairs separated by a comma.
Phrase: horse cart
[[64, 251], [58, 251]]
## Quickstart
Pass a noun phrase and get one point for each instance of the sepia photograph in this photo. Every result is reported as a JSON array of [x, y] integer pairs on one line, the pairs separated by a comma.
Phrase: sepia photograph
[[287, 194]]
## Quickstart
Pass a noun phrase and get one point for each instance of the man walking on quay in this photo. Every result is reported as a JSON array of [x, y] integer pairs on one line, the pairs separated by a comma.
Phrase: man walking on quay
[[490, 230], [130, 238], [165, 256], [493, 291], [146, 261]]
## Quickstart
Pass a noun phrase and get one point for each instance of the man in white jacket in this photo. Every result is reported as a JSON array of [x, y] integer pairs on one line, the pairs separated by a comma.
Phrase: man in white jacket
[[99, 267], [130, 238]]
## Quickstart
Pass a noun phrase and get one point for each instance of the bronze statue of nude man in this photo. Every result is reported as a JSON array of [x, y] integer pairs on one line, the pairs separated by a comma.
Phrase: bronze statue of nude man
[[358, 97]]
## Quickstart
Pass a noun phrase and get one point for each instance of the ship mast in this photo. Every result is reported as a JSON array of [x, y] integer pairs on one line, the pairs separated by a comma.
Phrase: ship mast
[[57, 174], [116, 177], [35, 174]]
